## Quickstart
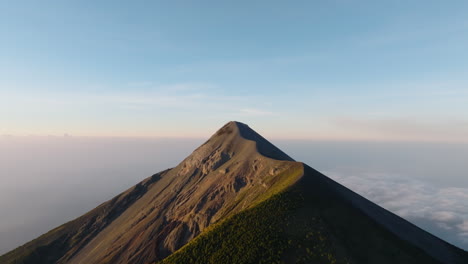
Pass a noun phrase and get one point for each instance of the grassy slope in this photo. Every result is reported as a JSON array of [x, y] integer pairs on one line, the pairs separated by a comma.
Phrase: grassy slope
[[262, 234], [298, 226]]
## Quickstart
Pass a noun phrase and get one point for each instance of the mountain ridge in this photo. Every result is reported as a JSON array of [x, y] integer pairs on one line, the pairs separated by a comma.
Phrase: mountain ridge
[[234, 173], [326, 195]]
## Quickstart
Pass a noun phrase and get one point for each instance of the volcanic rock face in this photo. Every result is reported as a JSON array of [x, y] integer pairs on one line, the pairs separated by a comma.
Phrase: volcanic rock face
[[199, 191], [164, 212], [235, 171]]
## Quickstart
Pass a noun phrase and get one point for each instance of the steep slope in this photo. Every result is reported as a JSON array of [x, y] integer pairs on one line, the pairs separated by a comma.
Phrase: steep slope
[[237, 199], [70, 237], [316, 220], [228, 173]]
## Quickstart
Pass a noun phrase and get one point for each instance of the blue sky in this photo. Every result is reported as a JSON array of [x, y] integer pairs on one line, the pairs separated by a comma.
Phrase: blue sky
[[345, 70]]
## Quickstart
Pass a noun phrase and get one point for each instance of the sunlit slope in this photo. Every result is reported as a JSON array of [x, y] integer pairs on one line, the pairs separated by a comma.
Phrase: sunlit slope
[[235, 169], [314, 221], [65, 240]]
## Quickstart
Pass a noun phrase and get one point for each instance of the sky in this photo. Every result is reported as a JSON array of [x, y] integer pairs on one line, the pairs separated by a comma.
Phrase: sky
[[334, 70]]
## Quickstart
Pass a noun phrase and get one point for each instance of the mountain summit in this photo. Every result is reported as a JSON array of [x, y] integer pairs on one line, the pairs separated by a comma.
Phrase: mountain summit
[[237, 199]]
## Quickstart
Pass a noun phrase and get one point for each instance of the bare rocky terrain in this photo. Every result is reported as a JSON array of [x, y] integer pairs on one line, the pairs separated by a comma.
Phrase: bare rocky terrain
[[235, 171]]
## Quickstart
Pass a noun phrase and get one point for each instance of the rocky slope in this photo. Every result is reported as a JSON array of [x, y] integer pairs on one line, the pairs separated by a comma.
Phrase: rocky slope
[[230, 172], [237, 199]]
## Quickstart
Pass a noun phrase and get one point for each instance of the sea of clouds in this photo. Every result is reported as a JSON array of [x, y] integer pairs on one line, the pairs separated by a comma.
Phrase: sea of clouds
[[441, 210], [425, 183]]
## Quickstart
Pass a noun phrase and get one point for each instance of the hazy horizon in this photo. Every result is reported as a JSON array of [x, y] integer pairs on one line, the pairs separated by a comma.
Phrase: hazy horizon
[[48, 181]]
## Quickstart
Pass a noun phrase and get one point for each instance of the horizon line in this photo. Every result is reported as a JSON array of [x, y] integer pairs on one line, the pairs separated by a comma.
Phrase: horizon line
[[280, 138]]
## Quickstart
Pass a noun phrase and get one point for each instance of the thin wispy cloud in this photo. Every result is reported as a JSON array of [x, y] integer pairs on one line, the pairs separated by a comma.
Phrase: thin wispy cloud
[[178, 95], [140, 84], [255, 112], [403, 32], [150, 99], [145, 109], [415, 129], [174, 87]]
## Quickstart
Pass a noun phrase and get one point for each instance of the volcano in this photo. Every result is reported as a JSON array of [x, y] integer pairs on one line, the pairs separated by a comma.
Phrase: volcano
[[237, 199]]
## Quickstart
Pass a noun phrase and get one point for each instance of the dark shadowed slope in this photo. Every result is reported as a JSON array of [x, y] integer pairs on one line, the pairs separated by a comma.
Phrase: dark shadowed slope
[[264, 147], [364, 224], [237, 199]]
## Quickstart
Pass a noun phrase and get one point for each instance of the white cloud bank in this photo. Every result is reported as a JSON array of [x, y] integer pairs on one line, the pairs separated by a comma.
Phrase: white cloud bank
[[442, 211]]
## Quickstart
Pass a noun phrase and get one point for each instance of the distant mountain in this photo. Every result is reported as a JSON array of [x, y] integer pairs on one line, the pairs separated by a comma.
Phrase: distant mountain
[[237, 199]]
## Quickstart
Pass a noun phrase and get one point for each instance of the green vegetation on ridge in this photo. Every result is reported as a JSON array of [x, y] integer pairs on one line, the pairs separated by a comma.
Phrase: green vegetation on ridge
[[266, 233], [306, 223]]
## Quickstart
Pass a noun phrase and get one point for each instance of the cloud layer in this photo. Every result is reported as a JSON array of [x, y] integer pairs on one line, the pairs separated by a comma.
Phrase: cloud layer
[[442, 211]]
